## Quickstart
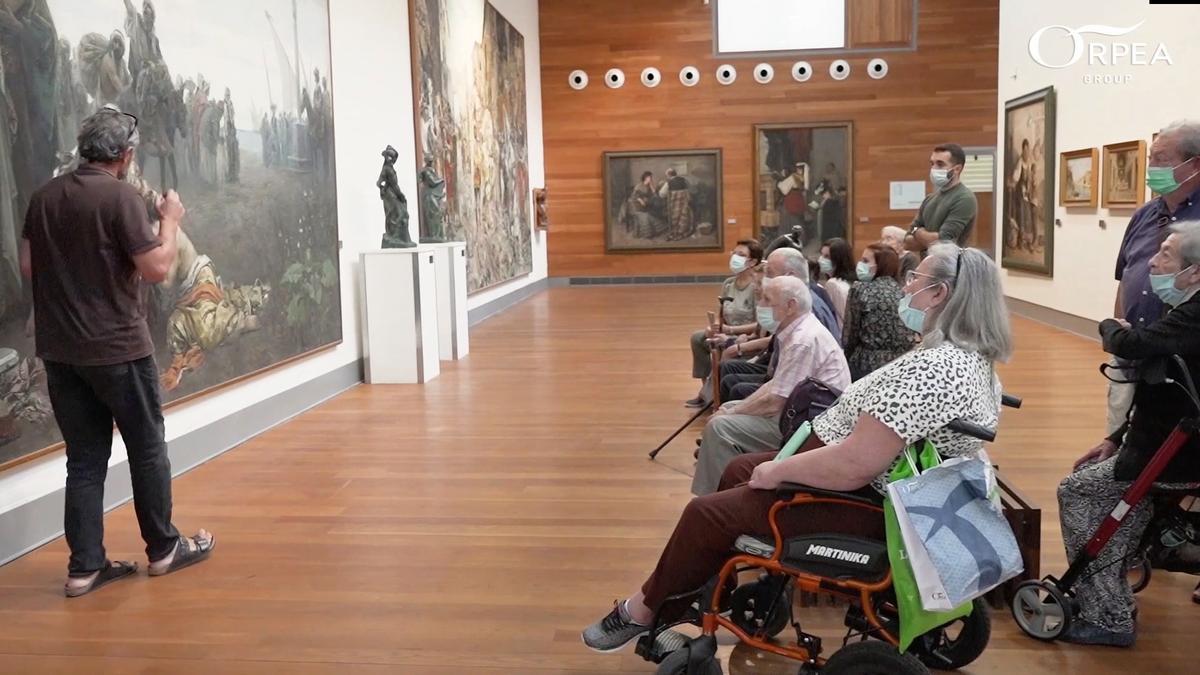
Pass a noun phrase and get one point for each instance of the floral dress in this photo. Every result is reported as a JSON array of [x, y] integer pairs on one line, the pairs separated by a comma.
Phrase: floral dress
[[873, 334]]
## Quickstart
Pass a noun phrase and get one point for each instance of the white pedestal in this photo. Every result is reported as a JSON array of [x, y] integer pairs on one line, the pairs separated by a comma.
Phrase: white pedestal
[[453, 340], [400, 323]]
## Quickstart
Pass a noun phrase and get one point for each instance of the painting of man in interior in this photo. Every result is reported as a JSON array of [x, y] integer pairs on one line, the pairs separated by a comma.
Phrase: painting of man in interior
[[662, 201]]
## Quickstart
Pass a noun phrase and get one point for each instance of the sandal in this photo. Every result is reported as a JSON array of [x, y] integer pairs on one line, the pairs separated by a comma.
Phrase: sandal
[[186, 556], [113, 571]]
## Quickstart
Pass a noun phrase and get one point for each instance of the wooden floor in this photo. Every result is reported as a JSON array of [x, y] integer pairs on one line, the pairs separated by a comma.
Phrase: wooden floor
[[476, 524]]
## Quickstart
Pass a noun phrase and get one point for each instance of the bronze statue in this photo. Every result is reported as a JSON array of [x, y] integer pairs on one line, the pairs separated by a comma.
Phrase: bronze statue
[[395, 206], [433, 204]]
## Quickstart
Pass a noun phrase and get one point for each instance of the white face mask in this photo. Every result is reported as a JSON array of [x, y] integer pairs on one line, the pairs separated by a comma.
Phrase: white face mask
[[738, 263], [939, 177]]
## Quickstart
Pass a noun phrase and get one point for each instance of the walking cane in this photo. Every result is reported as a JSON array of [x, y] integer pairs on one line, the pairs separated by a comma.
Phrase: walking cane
[[715, 356]]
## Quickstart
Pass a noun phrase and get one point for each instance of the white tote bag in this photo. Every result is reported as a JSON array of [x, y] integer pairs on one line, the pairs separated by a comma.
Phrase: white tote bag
[[958, 541]]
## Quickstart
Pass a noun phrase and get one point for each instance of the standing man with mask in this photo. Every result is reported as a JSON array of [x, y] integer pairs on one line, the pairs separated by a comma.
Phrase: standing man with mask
[[1174, 173], [88, 246], [949, 213]]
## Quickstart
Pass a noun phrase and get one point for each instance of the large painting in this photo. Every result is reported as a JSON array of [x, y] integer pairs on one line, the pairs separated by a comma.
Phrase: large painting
[[1029, 158], [234, 111], [802, 179], [469, 90], [666, 200]]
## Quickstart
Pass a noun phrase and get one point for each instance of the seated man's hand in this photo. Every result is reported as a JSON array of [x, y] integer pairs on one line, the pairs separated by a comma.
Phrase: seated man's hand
[[730, 352], [764, 477], [1101, 452]]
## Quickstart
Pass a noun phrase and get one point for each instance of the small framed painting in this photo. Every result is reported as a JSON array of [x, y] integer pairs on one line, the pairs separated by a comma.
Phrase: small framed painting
[[1078, 179], [1124, 175]]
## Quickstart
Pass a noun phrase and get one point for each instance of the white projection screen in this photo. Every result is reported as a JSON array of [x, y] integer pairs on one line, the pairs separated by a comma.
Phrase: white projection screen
[[746, 26]]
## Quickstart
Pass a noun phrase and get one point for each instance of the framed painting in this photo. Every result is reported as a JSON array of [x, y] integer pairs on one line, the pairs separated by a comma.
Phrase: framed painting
[[662, 200], [469, 94], [1029, 157], [1124, 175], [1079, 178], [802, 179], [235, 111]]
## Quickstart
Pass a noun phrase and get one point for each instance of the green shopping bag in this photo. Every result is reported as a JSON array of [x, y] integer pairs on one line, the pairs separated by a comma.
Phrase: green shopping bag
[[915, 621]]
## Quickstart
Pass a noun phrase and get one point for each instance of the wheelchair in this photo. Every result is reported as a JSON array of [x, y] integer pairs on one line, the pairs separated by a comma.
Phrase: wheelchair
[[1044, 609], [850, 568]]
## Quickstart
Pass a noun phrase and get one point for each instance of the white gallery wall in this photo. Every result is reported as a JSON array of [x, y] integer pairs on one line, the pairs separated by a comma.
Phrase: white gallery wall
[[372, 85], [1093, 115]]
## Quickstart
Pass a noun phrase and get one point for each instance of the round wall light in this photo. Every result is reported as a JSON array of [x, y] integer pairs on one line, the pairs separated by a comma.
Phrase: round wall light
[[689, 76], [651, 77], [840, 69], [763, 73], [614, 78], [726, 74], [577, 79], [802, 71], [877, 69]]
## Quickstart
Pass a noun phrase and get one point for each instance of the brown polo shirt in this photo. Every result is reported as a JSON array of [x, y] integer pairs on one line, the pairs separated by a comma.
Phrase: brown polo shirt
[[84, 228]]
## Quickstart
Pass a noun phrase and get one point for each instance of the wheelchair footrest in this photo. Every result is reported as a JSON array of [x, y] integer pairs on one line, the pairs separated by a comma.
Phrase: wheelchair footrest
[[667, 641]]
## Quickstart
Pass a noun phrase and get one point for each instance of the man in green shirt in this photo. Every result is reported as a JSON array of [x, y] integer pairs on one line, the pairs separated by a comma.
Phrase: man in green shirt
[[949, 213]]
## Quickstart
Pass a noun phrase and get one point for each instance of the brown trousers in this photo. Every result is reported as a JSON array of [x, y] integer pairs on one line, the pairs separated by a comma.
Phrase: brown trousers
[[704, 537]]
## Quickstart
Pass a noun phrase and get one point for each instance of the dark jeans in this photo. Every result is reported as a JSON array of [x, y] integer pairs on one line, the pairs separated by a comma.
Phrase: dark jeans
[[87, 400], [741, 378]]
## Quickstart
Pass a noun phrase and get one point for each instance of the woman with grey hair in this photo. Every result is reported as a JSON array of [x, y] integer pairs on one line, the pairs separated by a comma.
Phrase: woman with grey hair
[[1101, 476], [954, 299]]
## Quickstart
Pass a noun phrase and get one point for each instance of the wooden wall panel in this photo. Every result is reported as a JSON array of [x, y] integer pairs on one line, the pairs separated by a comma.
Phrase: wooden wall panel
[[945, 91], [879, 23]]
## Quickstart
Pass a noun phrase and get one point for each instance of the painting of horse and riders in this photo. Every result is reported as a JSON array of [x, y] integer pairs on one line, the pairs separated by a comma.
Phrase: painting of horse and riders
[[235, 112]]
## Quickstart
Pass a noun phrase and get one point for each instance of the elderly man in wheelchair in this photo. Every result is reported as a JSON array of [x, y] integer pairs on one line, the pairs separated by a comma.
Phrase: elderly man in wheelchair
[[954, 299]]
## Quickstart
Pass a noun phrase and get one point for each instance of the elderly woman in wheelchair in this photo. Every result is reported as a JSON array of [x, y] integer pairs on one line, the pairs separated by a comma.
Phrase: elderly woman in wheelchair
[[954, 299]]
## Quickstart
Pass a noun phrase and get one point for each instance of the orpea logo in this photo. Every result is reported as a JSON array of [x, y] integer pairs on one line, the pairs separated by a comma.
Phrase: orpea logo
[[1090, 41]]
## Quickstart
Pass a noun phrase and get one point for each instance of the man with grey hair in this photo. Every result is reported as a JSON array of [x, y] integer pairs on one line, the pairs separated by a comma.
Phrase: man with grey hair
[[1173, 173], [803, 349], [893, 236], [88, 247], [739, 378], [1101, 477]]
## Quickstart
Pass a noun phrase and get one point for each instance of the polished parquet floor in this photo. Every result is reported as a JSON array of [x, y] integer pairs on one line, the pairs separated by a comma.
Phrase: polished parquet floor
[[477, 523]]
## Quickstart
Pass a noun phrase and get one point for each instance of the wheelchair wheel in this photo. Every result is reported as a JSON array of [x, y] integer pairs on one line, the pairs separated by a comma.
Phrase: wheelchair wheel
[[958, 643], [677, 664], [750, 602], [1041, 610], [872, 657], [1138, 573]]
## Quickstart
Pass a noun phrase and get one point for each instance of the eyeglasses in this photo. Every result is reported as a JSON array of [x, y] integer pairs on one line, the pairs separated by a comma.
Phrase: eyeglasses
[[133, 127], [911, 275]]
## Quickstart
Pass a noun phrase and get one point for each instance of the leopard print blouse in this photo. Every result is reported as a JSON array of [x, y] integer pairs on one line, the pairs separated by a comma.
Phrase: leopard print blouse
[[916, 396]]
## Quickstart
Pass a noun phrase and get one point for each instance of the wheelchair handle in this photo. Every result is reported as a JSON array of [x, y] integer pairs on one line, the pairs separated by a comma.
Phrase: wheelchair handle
[[973, 430], [1010, 401]]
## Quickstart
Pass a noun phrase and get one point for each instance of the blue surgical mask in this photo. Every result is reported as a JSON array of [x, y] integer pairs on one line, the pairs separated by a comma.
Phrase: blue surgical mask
[[939, 177], [864, 271], [737, 263], [826, 265], [1163, 286], [913, 318], [766, 319]]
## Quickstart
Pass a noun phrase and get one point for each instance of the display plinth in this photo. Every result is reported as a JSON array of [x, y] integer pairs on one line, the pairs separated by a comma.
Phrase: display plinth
[[400, 323], [453, 341]]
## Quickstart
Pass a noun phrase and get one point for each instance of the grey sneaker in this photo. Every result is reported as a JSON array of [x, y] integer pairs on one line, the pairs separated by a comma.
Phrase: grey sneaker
[[613, 632]]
